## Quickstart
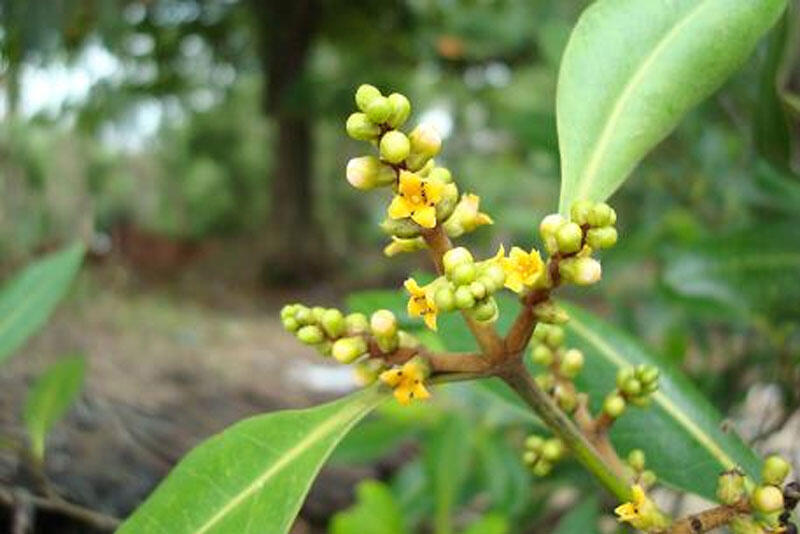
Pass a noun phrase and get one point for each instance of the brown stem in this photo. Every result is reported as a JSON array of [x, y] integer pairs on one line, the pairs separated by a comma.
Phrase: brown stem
[[54, 504], [708, 520]]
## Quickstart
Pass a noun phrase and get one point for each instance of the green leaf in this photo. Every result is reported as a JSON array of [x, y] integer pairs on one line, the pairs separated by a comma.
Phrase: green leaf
[[253, 476], [747, 272], [376, 512], [582, 519], [447, 453], [681, 432], [489, 524], [50, 397], [632, 69], [27, 300]]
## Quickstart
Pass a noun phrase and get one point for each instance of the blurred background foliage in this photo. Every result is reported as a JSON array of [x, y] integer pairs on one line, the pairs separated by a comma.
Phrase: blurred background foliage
[[155, 128]]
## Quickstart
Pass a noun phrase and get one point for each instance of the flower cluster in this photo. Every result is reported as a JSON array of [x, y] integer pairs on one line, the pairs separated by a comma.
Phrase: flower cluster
[[635, 385], [636, 461], [563, 365], [541, 454]]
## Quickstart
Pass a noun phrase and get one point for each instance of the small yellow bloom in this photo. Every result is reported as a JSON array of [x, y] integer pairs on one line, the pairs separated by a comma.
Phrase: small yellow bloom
[[523, 269], [416, 198], [421, 303], [407, 381], [641, 513]]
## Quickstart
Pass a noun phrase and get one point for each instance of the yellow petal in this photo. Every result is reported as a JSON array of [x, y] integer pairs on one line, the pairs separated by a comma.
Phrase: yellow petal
[[517, 255], [626, 511], [399, 208], [391, 377], [420, 392], [433, 190], [425, 217], [403, 395], [410, 184], [430, 321], [413, 287], [482, 219], [513, 282]]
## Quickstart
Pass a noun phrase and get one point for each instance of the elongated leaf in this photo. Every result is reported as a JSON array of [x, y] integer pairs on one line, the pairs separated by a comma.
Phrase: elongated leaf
[[50, 397], [447, 452], [680, 432], [376, 512], [253, 476], [27, 300], [489, 524], [632, 69]]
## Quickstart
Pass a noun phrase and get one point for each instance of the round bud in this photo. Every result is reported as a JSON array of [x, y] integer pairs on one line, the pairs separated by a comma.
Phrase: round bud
[[648, 374], [775, 470], [317, 312], [553, 449], [454, 257], [546, 381], [496, 274], [425, 140], [529, 458], [550, 312], [614, 405], [365, 94], [378, 110], [383, 324], [348, 349], [333, 323], [581, 271], [290, 324], [730, 487], [440, 174], [636, 459], [394, 146], [767, 499], [601, 214], [288, 311], [542, 468], [542, 355], [624, 374], [579, 212], [367, 172], [357, 323], [485, 311], [311, 335], [303, 315], [464, 298], [569, 237], [555, 336], [548, 228], [572, 363], [631, 387], [566, 398], [406, 340], [541, 330], [603, 237], [463, 274], [478, 290], [647, 478], [359, 127], [401, 109], [444, 299], [534, 442]]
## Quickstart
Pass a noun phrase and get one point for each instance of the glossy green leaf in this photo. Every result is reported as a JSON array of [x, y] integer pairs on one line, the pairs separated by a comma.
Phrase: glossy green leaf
[[27, 300], [681, 432], [747, 272], [376, 512], [253, 476], [581, 519], [50, 398], [632, 69], [446, 456]]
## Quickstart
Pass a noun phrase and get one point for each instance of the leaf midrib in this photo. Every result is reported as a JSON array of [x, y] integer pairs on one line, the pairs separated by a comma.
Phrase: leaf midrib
[[605, 136]]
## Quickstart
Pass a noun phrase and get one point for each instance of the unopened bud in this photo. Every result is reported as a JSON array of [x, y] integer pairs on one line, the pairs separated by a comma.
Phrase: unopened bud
[[545, 381], [579, 212], [553, 449], [632, 387], [349, 349], [303, 315], [359, 127], [530, 458], [400, 246], [378, 110], [542, 355], [775, 470], [425, 144], [485, 311], [581, 271], [464, 299], [534, 443], [395, 146], [636, 459], [406, 340], [647, 478], [550, 312], [440, 174], [365, 94], [383, 323], [548, 228], [624, 374], [367, 372], [730, 487], [317, 312], [463, 274], [445, 299], [311, 335], [357, 323], [478, 290], [602, 214], [555, 336], [455, 257], [542, 468], [569, 238], [767, 499], [289, 311], [603, 237], [290, 324], [614, 405], [447, 205], [401, 109], [647, 374], [571, 363], [333, 323], [495, 276], [566, 398]]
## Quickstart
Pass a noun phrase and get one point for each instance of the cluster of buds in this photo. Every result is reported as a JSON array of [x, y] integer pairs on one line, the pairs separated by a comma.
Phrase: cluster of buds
[[635, 385], [541, 454], [636, 461], [771, 505], [562, 364], [424, 193], [572, 240]]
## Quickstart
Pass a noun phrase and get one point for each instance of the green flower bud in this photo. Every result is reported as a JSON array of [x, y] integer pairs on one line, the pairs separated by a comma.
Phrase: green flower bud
[[311, 335], [445, 298], [485, 311], [775, 470], [290, 324], [569, 237], [406, 340], [545, 381], [378, 110], [324, 348], [541, 331], [478, 290], [349, 349], [359, 127], [388, 344], [425, 144], [289, 311], [365, 94], [447, 205], [550, 312], [530, 458], [542, 468], [357, 323], [426, 169], [463, 274], [614, 405], [642, 401], [579, 212], [647, 374], [455, 257], [317, 312], [367, 172], [464, 298], [730, 487], [402, 228], [303, 315], [555, 336], [440, 174], [333, 323], [383, 324], [581, 271], [534, 443], [632, 387], [571, 363], [767, 499], [602, 214], [367, 372], [542, 355], [401, 109], [566, 399], [603, 237], [495, 275], [399, 245], [395, 146], [553, 450], [636, 459], [647, 478], [548, 228], [624, 374]]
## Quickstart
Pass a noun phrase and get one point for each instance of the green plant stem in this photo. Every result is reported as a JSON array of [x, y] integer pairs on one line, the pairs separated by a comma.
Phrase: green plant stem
[[518, 379], [709, 519]]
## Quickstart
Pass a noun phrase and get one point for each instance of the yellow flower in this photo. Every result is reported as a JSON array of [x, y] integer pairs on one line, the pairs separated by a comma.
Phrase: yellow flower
[[523, 269], [416, 198], [467, 216], [408, 381], [641, 513], [421, 303], [400, 245]]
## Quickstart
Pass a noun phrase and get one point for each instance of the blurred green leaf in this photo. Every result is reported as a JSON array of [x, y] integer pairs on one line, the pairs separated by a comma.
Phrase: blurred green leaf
[[50, 398], [681, 432], [376, 512], [745, 272], [254, 475], [446, 457], [502, 473], [489, 524], [632, 69], [582, 519], [27, 300]]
